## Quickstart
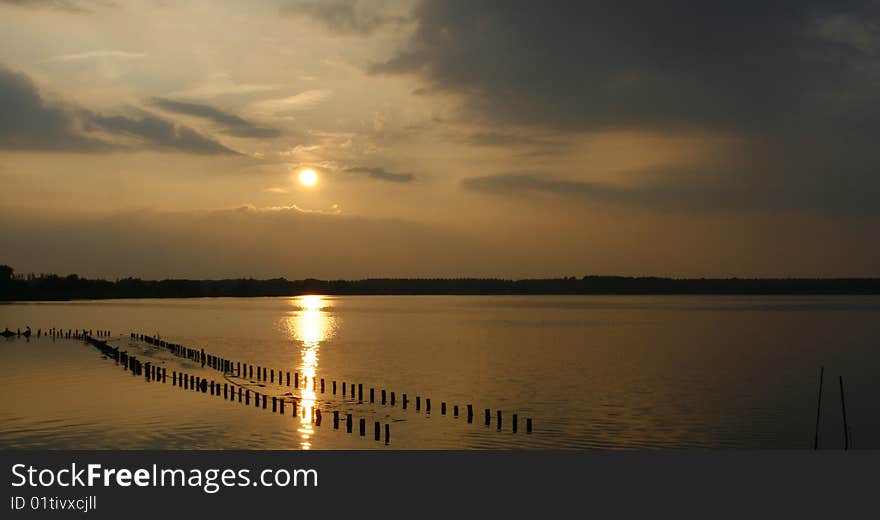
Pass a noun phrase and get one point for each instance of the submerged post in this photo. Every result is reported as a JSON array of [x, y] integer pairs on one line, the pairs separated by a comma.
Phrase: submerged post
[[335, 419], [528, 425], [348, 422], [363, 427], [499, 419], [387, 433], [377, 431], [514, 423], [488, 416]]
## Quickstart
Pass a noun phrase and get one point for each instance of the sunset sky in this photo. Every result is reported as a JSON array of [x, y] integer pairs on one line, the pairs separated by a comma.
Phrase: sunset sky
[[160, 138]]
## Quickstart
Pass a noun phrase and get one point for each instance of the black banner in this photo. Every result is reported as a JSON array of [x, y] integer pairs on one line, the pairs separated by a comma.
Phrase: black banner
[[368, 484]]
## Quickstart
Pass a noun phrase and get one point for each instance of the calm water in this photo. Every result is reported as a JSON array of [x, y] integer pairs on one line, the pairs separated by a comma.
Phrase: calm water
[[592, 372]]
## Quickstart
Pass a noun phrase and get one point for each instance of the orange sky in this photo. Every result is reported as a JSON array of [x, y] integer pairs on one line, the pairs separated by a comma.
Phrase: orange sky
[[161, 139]]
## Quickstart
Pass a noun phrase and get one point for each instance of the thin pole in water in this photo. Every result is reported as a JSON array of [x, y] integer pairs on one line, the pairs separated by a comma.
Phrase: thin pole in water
[[843, 408], [819, 408]]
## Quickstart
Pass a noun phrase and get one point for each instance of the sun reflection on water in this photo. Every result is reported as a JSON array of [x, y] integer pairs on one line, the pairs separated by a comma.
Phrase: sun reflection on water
[[309, 324]]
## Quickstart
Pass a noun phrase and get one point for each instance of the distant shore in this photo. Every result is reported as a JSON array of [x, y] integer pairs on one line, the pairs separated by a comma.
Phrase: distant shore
[[73, 287]]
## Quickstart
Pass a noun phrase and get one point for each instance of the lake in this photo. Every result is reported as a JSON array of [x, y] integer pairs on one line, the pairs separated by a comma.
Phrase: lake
[[592, 372]]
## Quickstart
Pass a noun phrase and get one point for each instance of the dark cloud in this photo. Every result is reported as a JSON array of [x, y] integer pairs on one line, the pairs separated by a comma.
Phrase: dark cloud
[[57, 5], [382, 175], [153, 132], [350, 17], [231, 123], [31, 123], [611, 64], [796, 82], [688, 191]]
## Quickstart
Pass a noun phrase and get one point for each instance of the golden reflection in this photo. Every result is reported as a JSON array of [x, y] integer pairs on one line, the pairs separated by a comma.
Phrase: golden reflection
[[309, 324]]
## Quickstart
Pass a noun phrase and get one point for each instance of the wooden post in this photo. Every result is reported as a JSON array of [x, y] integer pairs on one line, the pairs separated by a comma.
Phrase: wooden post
[[343, 389], [274, 404], [528, 425], [239, 394], [455, 410], [499, 419], [281, 406], [428, 405], [348, 422], [383, 396], [363, 427], [296, 379], [843, 409], [418, 402], [352, 390], [387, 433], [173, 378], [288, 379], [392, 399], [372, 395], [264, 401], [488, 416], [442, 407], [225, 391], [334, 387], [335, 418], [819, 408], [515, 425], [247, 397], [360, 392], [272, 376], [377, 434], [404, 401], [318, 417], [322, 385]]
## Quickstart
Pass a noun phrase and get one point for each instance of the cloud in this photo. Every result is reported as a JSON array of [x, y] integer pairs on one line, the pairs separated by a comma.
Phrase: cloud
[[31, 123], [280, 107], [689, 191], [612, 64], [348, 17], [68, 6], [103, 53], [382, 175], [796, 82], [224, 87], [231, 123]]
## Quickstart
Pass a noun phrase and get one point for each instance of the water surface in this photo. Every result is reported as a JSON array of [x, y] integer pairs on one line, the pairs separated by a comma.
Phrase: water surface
[[614, 372]]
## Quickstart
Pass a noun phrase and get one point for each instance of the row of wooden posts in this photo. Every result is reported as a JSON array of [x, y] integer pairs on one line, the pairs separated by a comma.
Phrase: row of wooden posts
[[61, 333], [244, 370], [229, 391]]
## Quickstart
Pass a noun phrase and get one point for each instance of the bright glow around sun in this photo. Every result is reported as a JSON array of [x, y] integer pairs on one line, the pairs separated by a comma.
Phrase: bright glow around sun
[[308, 177]]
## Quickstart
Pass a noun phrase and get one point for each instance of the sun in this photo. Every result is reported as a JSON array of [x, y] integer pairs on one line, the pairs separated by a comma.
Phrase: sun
[[308, 177]]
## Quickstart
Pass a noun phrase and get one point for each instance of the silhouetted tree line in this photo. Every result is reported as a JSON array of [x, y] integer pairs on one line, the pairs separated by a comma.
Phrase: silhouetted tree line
[[72, 287]]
